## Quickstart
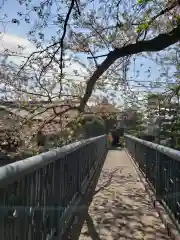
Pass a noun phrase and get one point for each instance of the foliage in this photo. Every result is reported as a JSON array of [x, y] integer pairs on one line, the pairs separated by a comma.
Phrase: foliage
[[138, 126], [107, 112], [121, 141], [133, 120], [94, 128], [86, 126], [9, 140], [165, 113]]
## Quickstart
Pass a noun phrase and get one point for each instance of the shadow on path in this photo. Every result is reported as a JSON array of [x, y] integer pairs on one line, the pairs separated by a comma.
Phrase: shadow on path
[[91, 228], [116, 148], [123, 210]]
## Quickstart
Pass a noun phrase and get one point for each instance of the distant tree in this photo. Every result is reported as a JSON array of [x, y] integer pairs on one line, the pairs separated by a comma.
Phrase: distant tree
[[94, 128], [164, 114], [10, 140], [107, 112], [136, 124], [87, 126]]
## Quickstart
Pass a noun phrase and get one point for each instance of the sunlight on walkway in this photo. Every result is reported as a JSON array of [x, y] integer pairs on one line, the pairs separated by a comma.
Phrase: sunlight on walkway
[[123, 210]]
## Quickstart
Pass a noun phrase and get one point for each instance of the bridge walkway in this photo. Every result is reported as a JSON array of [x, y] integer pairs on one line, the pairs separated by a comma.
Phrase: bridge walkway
[[122, 209]]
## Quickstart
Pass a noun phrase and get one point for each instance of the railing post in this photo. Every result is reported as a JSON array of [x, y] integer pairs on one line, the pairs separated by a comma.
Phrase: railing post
[[48, 185], [162, 166], [2, 214], [135, 154], [158, 177]]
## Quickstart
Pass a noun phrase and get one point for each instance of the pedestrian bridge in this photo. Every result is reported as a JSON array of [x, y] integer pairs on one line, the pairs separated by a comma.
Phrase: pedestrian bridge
[[83, 191]]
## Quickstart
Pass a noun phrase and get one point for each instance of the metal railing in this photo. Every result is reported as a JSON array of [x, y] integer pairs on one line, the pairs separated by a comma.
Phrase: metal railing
[[43, 196], [161, 167]]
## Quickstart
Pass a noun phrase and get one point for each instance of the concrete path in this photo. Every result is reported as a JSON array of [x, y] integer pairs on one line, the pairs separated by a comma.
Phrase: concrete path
[[122, 210]]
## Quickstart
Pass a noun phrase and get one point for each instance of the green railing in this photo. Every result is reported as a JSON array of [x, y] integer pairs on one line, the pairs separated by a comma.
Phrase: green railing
[[45, 196], [161, 167]]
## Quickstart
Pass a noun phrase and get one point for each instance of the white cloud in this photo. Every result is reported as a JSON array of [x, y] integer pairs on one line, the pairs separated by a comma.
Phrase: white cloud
[[11, 42], [74, 70]]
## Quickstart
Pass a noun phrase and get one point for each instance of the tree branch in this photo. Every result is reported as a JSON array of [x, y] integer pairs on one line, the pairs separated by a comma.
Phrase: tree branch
[[62, 42], [99, 56], [156, 44], [94, 58], [162, 12]]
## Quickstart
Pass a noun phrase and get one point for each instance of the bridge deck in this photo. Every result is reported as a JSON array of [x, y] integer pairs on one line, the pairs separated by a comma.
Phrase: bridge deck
[[123, 209]]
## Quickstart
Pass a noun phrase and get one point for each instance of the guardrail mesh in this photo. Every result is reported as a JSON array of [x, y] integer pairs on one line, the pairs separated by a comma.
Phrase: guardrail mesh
[[38, 195], [161, 166]]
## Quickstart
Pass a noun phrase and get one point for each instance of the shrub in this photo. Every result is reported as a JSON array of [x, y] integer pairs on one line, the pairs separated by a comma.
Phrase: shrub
[[94, 128], [121, 141]]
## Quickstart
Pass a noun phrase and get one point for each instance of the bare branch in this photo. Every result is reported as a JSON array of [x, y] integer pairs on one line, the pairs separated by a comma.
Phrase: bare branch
[[77, 6], [62, 41], [104, 55], [162, 12], [94, 58], [158, 43]]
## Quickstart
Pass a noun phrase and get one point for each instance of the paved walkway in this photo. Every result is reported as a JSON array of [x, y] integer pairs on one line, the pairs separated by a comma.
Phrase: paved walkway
[[122, 210]]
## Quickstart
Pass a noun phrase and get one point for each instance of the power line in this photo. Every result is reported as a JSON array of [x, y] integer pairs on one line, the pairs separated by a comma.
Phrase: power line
[[85, 76]]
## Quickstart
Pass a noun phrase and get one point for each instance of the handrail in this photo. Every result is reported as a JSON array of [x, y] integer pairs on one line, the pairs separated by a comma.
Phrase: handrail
[[175, 154], [161, 167], [39, 193], [17, 170]]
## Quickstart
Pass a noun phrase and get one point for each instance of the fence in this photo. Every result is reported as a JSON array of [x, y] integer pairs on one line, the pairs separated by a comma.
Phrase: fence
[[44, 197], [161, 166]]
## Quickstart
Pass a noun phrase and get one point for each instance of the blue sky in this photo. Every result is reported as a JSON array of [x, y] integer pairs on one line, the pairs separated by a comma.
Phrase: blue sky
[[12, 7], [11, 10]]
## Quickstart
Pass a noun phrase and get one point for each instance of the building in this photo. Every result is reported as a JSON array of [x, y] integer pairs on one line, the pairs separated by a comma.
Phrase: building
[[42, 117]]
